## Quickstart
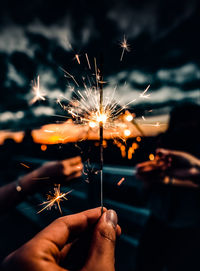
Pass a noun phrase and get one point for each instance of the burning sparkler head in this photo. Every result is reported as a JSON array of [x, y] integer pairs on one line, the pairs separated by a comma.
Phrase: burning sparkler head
[[101, 118]]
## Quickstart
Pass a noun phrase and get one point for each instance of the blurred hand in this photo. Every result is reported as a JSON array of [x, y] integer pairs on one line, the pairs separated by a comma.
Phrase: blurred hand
[[181, 165], [47, 249], [62, 171], [56, 172], [151, 171]]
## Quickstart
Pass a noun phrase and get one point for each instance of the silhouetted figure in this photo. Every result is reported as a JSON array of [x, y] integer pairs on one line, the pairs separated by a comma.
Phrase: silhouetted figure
[[172, 236]]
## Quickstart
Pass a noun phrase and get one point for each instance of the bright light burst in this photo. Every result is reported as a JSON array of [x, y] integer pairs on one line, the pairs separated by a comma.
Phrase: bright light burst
[[125, 47], [54, 199], [38, 95]]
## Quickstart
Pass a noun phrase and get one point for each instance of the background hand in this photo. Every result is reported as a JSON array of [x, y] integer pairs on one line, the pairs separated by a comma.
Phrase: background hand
[[55, 172], [181, 165]]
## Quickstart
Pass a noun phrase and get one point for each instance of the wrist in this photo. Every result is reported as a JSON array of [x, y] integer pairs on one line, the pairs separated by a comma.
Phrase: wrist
[[29, 183]]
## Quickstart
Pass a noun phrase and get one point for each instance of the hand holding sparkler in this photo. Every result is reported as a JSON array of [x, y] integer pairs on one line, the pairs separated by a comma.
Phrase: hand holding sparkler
[[174, 167], [56, 172], [48, 249], [151, 171], [60, 172], [181, 165]]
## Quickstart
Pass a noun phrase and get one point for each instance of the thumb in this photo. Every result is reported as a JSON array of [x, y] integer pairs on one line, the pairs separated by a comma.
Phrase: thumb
[[101, 255]]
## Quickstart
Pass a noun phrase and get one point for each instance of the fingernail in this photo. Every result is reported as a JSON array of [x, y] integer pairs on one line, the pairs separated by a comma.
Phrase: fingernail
[[111, 218]]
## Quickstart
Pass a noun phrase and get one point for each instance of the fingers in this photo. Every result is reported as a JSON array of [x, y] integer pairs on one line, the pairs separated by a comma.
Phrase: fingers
[[74, 176], [59, 231], [101, 255], [72, 165]]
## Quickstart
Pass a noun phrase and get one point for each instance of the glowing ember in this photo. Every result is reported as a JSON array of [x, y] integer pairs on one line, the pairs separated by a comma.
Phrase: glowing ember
[[151, 156], [102, 118], [24, 165], [121, 181]]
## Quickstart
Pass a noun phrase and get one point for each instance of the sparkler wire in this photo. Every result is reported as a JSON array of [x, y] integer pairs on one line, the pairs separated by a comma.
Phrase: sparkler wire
[[101, 129]]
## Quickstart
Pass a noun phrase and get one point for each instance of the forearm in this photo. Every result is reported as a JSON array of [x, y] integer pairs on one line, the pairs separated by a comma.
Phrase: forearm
[[15, 192]]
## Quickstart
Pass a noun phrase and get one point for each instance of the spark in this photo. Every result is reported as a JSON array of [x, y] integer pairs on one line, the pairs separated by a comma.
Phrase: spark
[[142, 95], [36, 90], [24, 165], [56, 198], [77, 58], [87, 58], [70, 76], [125, 47], [121, 181]]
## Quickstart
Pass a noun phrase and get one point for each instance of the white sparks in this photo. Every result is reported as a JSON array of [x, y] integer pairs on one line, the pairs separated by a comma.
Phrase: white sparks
[[38, 95]]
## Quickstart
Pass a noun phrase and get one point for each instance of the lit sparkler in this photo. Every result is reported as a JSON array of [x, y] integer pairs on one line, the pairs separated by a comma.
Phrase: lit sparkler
[[56, 198], [38, 95], [125, 47]]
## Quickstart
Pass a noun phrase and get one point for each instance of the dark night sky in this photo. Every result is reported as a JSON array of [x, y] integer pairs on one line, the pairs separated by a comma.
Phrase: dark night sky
[[36, 37]]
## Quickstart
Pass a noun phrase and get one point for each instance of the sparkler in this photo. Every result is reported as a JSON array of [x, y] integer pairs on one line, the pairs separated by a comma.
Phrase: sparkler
[[125, 47], [102, 120], [91, 108], [56, 198]]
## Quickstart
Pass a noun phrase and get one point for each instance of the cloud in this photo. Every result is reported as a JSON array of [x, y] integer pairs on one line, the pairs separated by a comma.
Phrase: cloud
[[43, 111], [13, 38], [13, 75], [61, 32], [10, 116], [186, 73]]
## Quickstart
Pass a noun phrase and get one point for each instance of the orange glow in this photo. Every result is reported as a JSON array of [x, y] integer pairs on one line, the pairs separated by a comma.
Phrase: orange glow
[[104, 143], [16, 136], [138, 138], [130, 153], [151, 156], [43, 147], [92, 124], [135, 146], [123, 151]]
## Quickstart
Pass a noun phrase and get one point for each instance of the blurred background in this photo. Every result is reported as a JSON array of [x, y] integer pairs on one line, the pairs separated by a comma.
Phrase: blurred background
[[39, 37]]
